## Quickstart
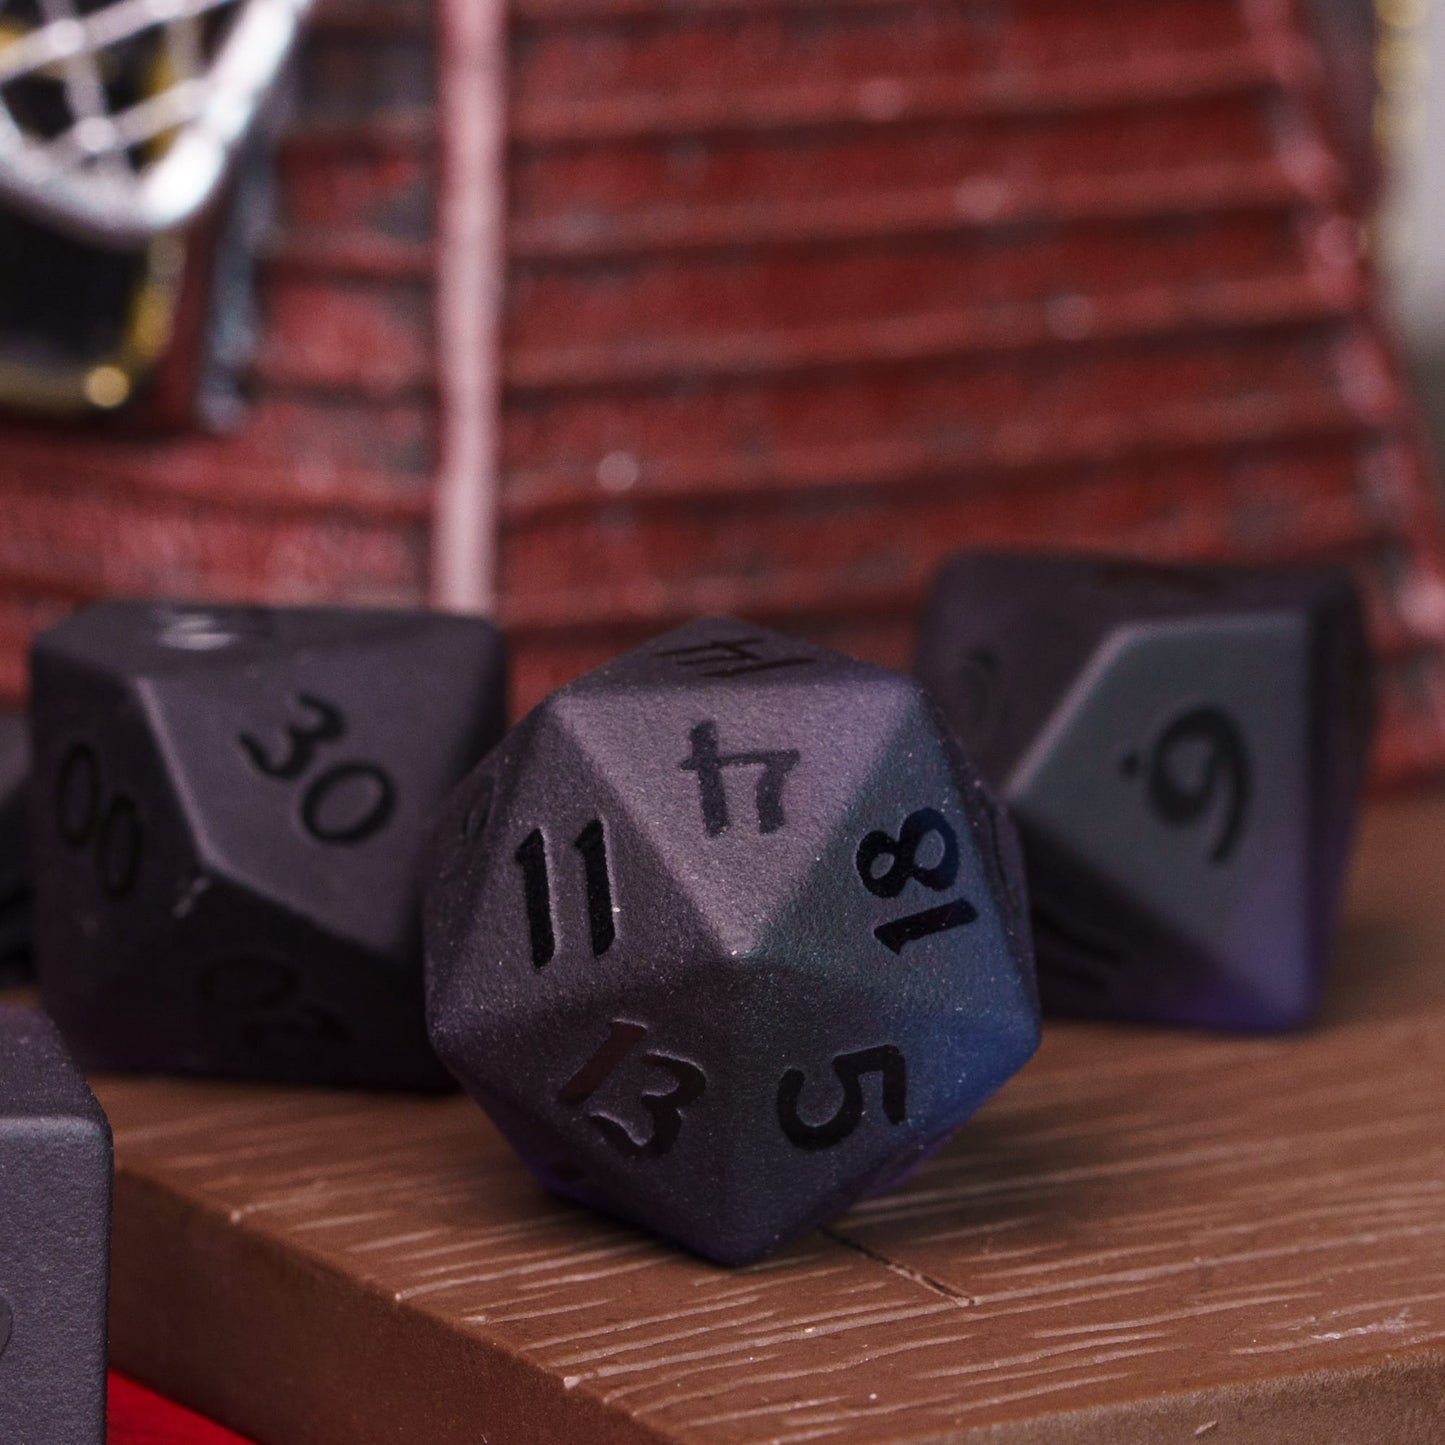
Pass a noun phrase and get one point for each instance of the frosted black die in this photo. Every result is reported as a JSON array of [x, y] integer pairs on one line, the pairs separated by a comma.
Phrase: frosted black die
[[228, 805], [55, 1183], [727, 933], [1183, 749]]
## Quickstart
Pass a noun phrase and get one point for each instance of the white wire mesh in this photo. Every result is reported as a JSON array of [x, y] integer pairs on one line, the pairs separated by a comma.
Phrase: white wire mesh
[[118, 119]]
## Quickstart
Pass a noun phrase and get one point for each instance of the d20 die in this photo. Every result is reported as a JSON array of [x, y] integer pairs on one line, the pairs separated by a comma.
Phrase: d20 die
[[1183, 750], [228, 805], [15, 959], [726, 934], [55, 1178]]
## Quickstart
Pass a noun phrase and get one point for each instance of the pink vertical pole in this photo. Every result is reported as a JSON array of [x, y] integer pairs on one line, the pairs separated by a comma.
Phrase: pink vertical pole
[[470, 275]]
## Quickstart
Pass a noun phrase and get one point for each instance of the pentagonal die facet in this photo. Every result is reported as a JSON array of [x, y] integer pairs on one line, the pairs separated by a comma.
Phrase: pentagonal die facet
[[725, 934], [228, 804]]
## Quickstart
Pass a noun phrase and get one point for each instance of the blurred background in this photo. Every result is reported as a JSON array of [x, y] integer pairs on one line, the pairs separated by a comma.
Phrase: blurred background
[[600, 314], [1408, 127]]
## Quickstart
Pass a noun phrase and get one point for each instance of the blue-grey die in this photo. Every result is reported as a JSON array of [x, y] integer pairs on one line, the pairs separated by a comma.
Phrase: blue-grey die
[[726, 934], [1183, 750]]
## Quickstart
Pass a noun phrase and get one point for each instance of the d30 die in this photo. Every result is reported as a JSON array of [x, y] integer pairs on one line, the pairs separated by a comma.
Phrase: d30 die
[[1183, 751], [228, 808], [15, 956], [726, 934], [55, 1179]]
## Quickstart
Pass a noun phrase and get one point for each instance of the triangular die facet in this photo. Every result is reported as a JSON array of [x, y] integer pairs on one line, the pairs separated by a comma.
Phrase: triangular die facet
[[563, 903], [291, 738], [740, 787], [1177, 773]]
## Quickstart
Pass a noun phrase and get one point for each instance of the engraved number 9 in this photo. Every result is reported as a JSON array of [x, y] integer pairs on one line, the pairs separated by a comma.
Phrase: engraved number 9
[[1199, 766]]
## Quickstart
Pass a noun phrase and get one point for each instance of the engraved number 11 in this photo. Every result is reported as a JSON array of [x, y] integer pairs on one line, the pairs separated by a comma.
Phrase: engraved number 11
[[591, 843]]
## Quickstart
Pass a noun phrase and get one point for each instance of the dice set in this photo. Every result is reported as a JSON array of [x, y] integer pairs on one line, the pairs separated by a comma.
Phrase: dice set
[[723, 935]]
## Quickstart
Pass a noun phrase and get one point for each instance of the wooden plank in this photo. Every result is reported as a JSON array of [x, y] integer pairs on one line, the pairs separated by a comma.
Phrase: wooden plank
[[1149, 1236]]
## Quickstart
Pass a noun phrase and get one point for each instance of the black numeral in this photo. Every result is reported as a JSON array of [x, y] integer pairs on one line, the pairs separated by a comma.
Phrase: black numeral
[[665, 1109], [731, 657], [86, 818], [531, 856], [327, 725], [896, 935], [886, 1061], [592, 844], [349, 801], [265, 995], [904, 868], [1200, 765], [708, 763]]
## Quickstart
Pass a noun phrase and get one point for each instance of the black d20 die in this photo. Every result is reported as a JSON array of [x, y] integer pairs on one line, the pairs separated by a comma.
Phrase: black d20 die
[[1183, 750], [15, 957], [55, 1175], [726, 934], [228, 804]]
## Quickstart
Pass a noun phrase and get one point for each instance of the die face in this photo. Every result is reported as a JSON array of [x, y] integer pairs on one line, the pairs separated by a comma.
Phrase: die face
[[1005, 636], [55, 1155], [726, 952], [239, 988], [283, 763], [113, 858], [15, 951], [297, 747], [1176, 772], [1187, 800]]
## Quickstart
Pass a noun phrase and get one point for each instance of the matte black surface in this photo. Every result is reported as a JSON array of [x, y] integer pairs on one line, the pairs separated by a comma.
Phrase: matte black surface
[[16, 964], [726, 934], [228, 807], [1183, 750], [55, 1182]]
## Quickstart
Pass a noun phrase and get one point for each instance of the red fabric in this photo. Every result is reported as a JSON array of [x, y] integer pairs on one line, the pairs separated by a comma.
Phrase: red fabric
[[140, 1417]]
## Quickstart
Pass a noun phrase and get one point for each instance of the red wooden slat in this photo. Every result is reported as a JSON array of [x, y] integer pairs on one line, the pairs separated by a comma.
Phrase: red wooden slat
[[798, 294], [138, 1416]]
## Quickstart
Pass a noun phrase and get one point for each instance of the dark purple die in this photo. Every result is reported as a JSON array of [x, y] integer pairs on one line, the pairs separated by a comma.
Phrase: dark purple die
[[227, 805], [55, 1184], [1183, 750], [726, 934]]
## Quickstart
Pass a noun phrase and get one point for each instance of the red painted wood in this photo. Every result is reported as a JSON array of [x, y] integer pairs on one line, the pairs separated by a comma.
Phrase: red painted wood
[[799, 296], [138, 1416]]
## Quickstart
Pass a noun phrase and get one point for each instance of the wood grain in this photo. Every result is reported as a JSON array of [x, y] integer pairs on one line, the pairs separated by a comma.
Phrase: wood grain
[[1149, 1236]]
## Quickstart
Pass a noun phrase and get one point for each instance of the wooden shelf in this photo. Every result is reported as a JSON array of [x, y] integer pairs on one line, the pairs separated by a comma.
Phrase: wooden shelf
[[1147, 1237]]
